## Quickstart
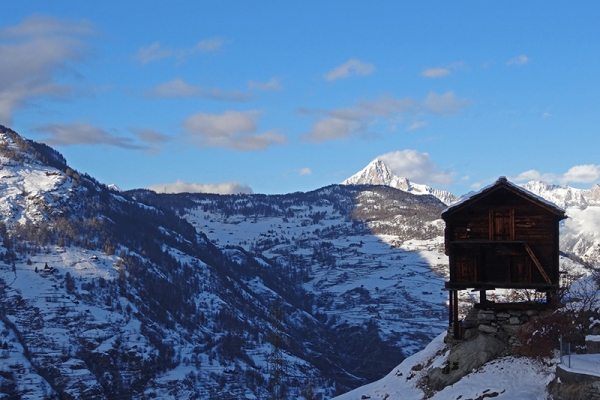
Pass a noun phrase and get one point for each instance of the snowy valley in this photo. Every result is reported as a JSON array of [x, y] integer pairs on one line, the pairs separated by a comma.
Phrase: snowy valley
[[109, 294]]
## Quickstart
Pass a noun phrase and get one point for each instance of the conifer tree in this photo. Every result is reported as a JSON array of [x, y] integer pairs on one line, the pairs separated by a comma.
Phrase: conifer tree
[[277, 363]]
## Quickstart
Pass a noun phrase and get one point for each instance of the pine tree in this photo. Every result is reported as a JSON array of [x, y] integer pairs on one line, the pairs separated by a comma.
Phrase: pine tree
[[277, 363]]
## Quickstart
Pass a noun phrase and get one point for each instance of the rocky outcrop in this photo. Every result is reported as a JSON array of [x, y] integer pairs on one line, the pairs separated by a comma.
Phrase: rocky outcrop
[[486, 334], [464, 358]]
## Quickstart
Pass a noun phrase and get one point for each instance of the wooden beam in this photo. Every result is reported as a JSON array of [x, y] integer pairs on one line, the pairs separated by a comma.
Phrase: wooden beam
[[537, 264], [455, 312], [450, 307]]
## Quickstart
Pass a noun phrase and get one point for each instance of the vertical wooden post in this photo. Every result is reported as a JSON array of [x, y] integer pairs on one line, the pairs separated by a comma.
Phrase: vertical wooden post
[[455, 312], [450, 307], [482, 297]]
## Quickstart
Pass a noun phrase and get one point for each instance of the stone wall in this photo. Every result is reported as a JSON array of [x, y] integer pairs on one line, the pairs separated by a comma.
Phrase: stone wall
[[573, 386], [501, 324]]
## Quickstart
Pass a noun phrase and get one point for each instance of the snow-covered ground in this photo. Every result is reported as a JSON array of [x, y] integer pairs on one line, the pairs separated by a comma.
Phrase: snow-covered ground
[[508, 377], [367, 276], [587, 364]]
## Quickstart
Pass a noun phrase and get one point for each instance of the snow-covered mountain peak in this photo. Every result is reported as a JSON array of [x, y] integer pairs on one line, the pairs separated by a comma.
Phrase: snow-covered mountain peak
[[565, 196], [378, 173]]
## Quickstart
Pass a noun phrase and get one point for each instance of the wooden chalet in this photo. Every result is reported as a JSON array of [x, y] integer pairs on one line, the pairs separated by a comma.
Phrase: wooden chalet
[[501, 237]]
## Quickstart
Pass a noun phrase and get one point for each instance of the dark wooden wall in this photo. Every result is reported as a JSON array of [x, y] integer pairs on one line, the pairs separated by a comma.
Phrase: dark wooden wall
[[474, 232]]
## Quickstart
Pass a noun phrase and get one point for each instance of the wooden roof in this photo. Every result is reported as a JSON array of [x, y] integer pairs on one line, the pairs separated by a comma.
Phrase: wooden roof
[[503, 183]]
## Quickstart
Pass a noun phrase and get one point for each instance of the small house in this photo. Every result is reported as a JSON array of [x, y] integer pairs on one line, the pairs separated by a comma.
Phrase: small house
[[502, 237]]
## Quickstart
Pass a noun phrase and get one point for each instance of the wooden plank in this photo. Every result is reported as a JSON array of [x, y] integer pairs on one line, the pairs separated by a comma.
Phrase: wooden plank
[[537, 264]]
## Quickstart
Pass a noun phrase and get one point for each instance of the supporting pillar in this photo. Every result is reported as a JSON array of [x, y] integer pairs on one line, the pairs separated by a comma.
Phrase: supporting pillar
[[482, 298], [450, 307], [455, 314]]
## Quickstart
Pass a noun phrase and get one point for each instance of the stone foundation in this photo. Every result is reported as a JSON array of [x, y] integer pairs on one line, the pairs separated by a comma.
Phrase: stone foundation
[[501, 324]]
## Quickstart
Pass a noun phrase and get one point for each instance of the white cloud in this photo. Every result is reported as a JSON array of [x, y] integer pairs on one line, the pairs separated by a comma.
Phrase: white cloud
[[532, 175], [234, 130], [582, 174], [443, 104], [328, 129], [32, 54], [305, 171], [518, 60], [346, 122], [179, 88], [546, 115], [441, 71], [417, 167], [274, 84], [149, 135], [211, 44], [435, 72], [582, 223], [185, 187], [465, 178], [416, 125], [152, 137], [156, 51], [73, 134], [586, 173], [350, 68]]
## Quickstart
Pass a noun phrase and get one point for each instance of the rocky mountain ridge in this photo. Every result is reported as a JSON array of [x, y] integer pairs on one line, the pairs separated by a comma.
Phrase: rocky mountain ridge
[[378, 173]]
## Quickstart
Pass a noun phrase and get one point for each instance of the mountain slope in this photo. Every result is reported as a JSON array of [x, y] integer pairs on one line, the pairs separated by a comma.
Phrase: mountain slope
[[378, 173], [108, 294], [113, 295], [105, 297]]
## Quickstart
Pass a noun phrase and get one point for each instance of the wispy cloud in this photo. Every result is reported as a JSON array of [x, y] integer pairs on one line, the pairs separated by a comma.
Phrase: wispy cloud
[[186, 187], [234, 130], [179, 88], [74, 134], [350, 68], [586, 173], [441, 71], [32, 54], [150, 135], [518, 60], [443, 104], [157, 51], [417, 167], [416, 125], [435, 72], [305, 171], [274, 84], [347, 122]]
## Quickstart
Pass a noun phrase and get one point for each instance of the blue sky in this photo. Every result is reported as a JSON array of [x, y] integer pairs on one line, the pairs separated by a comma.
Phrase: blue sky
[[278, 97]]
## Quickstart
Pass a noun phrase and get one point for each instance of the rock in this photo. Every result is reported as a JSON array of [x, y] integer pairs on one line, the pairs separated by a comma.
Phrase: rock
[[488, 329], [484, 315], [515, 313], [511, 329], [470, 333], [503, 315], [503, 336], [514, 321], [464, 358], [531, 313]]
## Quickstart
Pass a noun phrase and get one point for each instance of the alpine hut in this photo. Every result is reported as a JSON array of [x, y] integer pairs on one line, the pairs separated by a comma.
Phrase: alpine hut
[[501, 237]]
